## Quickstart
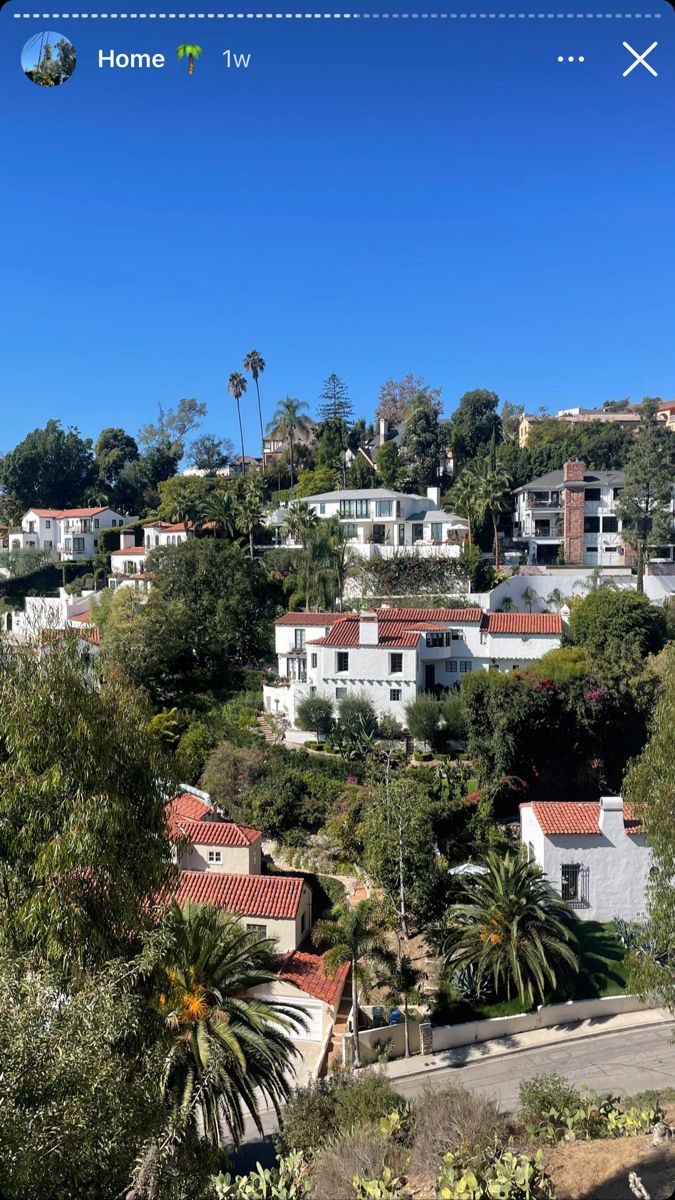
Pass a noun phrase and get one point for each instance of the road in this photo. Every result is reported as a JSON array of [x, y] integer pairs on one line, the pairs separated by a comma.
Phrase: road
[[628, 1061]]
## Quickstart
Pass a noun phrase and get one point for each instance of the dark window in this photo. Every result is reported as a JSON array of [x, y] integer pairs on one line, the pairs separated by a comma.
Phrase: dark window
[[259, 932], [299, 639], [464, 666], [96, 522], [542, 529], [437, 531], [314, 660], [417, 532], [610, 525], [340, 692], [451, 666], [48, 524], [591, 524], [435, 639], [395, 664], [591, 494], [341, 661], [616, 492], [394, 693], [591, 550], [570, 881]]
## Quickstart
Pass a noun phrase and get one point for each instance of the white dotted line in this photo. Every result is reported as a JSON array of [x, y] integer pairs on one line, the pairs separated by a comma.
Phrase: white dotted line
[[336, 16]]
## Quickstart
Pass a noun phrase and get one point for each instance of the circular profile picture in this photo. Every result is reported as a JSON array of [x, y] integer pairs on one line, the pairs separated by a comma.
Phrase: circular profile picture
[[48, 59]]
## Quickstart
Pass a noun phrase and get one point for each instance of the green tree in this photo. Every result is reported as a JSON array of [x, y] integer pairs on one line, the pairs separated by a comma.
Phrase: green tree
[[356, 713], [402, 984], [250, 511], [299, 522], [355, 936], [254, 363], [473, 425], [51, 468], [208, 453], [335, 402], [332, 445], [387, 464], [169, 432], [315, 713], [605, 617], [236, 386], [192, 53], [513, 929], [401, 845], [423, 716], [287, 419], [397, 397], [645, 501], [463, 499], [114, 450], [82, 782], [511, 416], [493, 496], [424, 442]]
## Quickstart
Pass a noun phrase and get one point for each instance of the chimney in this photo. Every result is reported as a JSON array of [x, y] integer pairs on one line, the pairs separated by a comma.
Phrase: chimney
[[434, 494], [368, 629], [573, 513], [611, 817], [384, 430], [574, 471], [127, 540]]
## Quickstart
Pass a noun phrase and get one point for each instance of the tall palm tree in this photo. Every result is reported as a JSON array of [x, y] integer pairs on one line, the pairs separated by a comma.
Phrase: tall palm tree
[[251, 510], [236, 386], [493, 493], [463, 498], [355, 936], [254, 363], [402, 982], [192, 53], [227, 1049], [513, 928], [299, 522], [336, 557], [287, 419]]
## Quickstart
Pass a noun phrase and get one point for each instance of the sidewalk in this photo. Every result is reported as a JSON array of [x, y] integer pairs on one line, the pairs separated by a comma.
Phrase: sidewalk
[[459, 1056]]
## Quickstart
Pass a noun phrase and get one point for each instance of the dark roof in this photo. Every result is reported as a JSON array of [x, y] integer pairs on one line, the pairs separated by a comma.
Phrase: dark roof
[[554, 479]]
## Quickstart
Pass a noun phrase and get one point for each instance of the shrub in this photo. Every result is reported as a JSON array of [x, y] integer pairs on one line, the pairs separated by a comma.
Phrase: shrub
[[454, 716], [505, 1173], [193, 751], [561, 1114], [327, 1108], [315, 713], [357, 715], [423, 715], [545, 1092], [448, 1118], [364, 1155], [389, 728], [288, 1181]]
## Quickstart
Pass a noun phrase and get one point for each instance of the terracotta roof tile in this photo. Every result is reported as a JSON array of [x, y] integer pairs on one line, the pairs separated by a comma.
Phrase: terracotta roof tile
[[460, 615], [187, 807], [68, 512], [305, 969], [528, 623], [207, 832], [308, 618], [130, 551], [582, 818], [274, 896]]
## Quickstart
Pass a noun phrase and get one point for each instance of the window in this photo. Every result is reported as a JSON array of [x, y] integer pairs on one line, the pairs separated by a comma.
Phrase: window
[[312, 690], [130, 567], [616, 492], [341, 661], [454, 635], [610, 525], [395, 664], [591, 495], [314, 660], [591, 550], [591, 524], [322, 510], [530, 852], [300, 639], [48, 545], [114, 522], [96, 522], [78, 545], [67, 544], [436, 531], [340, 692], [435, 638], [215, 856], [383, 508], [350, 530], [259, 932], [48, 524], [451, 666], [464, 666], [542, 529], [401, 535], [303, 922], [355, 508], [394, 694], [570, 881], [417, 532]]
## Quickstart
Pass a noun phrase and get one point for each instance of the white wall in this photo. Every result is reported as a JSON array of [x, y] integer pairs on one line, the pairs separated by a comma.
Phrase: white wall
[[447, 1036]]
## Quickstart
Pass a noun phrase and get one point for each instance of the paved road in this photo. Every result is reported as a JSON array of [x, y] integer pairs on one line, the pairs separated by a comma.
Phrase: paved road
[[630, 1060]]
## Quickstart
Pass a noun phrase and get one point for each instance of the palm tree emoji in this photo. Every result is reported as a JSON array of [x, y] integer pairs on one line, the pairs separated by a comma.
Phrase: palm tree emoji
[[191, 53]]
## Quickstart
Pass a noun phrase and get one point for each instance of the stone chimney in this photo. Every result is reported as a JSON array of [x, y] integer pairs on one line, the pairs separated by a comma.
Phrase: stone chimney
[[611, 817], [573, 512], [434, 494], [127, 540], [368, 629]]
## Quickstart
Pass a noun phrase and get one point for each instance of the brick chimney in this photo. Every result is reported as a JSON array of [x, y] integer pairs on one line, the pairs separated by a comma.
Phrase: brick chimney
[[573, 512], [368, 629]]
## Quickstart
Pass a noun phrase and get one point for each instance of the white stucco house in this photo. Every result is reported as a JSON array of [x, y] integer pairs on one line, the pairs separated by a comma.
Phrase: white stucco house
[[392, 654], [594, 855], [128, 563], [65, 533]]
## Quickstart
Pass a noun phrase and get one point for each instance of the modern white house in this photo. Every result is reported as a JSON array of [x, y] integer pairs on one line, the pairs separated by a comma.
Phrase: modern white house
[[65, 533], [593, 854], [379, 522], [392, 654]]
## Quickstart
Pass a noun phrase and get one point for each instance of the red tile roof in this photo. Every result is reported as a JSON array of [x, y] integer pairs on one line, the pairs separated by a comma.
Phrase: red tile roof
[[305, 969], [130, 551], [460, 615], [68, 512], [207, 832], [89, 633], [274, 896], [582, 818], [174, 527], [84, 617], [528, 623], [187, 807], [308, 618]]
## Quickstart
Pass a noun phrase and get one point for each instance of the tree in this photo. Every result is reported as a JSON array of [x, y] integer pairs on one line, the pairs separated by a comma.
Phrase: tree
[[287, 419], [423, 716], [397, 397], [424, 442], [644, 505], [649, 788], [172, 427], [299, 522], [114, 450], [332, 445], [220, 509], [402, 983], [251, 510], [336, 405], [82, 780], [473, 424], [605, 617], [357, 714], [254, 363], [513, 929], [192, 53], [208, 453], [493, 496], [315, 713], [400, 845], [355, 936], [229, 1050], [511, 416], [463, 499], [387, 464], [50, 468], [236, 386]]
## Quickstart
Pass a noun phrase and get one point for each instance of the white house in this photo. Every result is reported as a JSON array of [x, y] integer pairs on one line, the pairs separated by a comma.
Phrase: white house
[[392, 654], [65, 533], [128, 563], [380, 522], [594, 855]]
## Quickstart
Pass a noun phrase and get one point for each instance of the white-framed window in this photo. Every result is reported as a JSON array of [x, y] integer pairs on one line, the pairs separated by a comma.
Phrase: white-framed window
[[394, 694], [436, 531], [395, 664], [260, 931], [340, 692], [215, 856], [456, 635], [451, 666], [322, 510], [464, 665], [78, 544], [341, 662], [299, 639], [435, 638], [314, 659]]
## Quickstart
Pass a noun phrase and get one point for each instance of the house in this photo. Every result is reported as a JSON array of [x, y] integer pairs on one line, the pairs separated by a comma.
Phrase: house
[[388, 432], [392, 654], [65, 533], [571, 515], [128, 563], [276, 444], [42, 615], [378, 522], [594, 855]]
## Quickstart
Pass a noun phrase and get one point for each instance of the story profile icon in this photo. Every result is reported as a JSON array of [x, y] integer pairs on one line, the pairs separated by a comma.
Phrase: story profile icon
[[192, 53], [48, 59]]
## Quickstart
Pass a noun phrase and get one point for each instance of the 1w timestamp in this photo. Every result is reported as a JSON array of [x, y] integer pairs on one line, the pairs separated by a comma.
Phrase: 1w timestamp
[[236, 61]]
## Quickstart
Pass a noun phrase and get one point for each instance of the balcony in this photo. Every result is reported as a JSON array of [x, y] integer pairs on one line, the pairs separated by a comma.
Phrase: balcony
[[550, 502]]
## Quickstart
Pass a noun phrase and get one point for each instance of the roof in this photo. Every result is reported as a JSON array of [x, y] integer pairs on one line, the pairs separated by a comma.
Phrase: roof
[[274, 896], [308, 618], [209, 831], [305, 969], [555, 479], [166, 526], [565, 817], [188, 807], [130, 551], [83, 617], [522, 623], [89, 633], [365, 494], [69, 512]]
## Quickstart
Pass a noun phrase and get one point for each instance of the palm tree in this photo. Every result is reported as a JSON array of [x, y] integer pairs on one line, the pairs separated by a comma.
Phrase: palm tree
[[355, 936], [512, 927], [493, 492], [299, 522], [254, 363], [556, 599], [529, 597], [402, 982], [251, 510], [338, 557], [220, 510], [287, 419], [191, 53], [463, 498], [236, 386], [227, 1049]]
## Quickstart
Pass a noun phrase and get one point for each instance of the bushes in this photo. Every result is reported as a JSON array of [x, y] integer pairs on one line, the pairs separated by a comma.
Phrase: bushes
[[357, 715], [437, 720], [556, 1112], [327, 1108], [504, 1173], [448, 1118], [315, 713], [545, 1092], [423, 715], [343, 1169]]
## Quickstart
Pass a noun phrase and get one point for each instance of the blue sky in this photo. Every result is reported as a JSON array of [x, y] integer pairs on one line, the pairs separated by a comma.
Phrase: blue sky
[[370, 198]]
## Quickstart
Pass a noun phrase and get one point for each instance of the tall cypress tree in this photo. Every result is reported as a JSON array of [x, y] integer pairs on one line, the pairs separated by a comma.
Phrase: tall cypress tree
[[645, 500]]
